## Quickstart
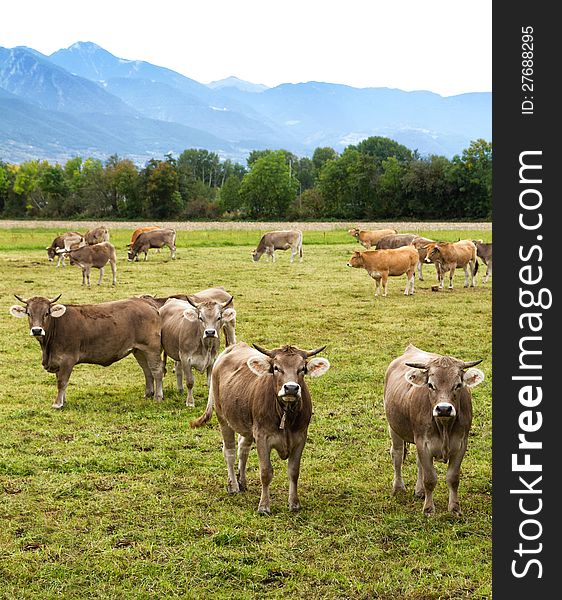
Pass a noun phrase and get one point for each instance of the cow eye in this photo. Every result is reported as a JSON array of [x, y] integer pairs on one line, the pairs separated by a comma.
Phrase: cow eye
[[276, 369]]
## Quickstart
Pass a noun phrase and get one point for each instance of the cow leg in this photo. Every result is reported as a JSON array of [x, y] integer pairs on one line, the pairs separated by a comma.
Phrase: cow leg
[[101, 275], [453, 477], [385, 283], [429, 475], [114, 271], [419, 489], [410, 276], [63, 375], [189, 380], [244, 447], [377, 285], [293, 471], [466, 276], [172, 252], [229, 453], [152, 374], [451, 274], [179, 376], [420, 274], [397, 455], [266, 474]]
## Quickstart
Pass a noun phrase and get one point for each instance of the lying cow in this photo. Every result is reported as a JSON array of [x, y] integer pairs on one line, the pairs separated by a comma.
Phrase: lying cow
[[96, 256], [380, 264], [262, 395], [217, 294], [484, 251], [369, 238], [191, 337], [448, 256], [279, 240], [157, 238], [98, 334], [428, 402], [97, 235], [65, 241]]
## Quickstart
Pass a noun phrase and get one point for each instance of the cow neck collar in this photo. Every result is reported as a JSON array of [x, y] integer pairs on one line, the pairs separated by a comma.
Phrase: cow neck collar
[[444, 429], [285, 409]]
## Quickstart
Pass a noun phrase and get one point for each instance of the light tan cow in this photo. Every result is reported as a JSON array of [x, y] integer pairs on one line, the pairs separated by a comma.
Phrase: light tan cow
[[279, 240], [96, 256], [448, 256], [368, 238], [428, 402], [97, 235], [382, 264], [420, 244]]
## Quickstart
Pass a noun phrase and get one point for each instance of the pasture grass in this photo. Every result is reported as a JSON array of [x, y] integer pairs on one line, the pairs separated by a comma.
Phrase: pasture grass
[[116, 497]]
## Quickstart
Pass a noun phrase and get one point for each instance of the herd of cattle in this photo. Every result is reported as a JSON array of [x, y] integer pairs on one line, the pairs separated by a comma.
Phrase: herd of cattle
[[258, 393]]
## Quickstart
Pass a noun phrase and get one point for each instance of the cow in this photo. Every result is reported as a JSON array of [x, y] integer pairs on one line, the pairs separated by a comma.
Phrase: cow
[[191, 337], [99, 334], [140, 230], [279, 240], [380, 264], [428, 402], [262, 395], [395, 240], [157, 238], [97, 235], [420, 244], [64, 241], [448, 256], [96, 256], [484, 251], [368, 238], [218, 294]]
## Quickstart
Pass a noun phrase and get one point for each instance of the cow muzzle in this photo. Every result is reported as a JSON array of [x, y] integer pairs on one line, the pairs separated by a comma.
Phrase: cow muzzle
[[210, 333], [444, 410], [290, 390], [37, 331]]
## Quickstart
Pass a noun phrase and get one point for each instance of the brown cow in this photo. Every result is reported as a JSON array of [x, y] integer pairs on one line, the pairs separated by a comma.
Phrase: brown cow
[[217, 294], [484, 251], [262, 395], [279, 240], [420, 244], [380, 264], [70, 239], [97, 235], [98, 334], [447, 256], [428, 402], [157, 238], [96, 256], [369, 238], [191, 337]]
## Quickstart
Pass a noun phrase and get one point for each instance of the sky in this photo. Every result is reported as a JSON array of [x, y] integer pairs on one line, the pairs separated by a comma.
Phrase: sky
[[444, 46]]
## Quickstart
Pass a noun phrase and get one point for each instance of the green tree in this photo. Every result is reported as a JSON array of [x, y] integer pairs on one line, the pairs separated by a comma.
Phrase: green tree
[[162, 190]]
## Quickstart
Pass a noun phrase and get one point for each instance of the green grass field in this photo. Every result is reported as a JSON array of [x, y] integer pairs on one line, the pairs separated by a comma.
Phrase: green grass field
[[116, 497]]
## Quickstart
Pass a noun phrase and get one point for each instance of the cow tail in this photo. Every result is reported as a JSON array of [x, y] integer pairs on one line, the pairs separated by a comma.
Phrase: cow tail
[[475, 267], [206, 416]]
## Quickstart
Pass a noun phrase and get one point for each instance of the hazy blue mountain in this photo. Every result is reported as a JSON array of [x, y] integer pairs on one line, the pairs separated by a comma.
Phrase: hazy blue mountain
[[84, 99]]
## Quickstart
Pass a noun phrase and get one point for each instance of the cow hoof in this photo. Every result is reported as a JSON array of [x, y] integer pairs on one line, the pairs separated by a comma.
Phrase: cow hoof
[[262, 510], [456, 511], [428, 512], [57, 406], [420, 495], [295, 507], [190, 404]]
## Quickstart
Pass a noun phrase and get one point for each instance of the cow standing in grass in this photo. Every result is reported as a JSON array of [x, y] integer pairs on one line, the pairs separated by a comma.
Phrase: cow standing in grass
[[279, 240], [448, 256], [369, 237], [95, 256], [484, 251], [65, 241], [97, 235], [157, 238]]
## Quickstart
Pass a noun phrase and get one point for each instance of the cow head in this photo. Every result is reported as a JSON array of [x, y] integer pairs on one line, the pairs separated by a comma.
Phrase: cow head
[[51, 252], [39, 311], [256, 255], [288, 366], [432, 253], [354, 232], [356, 260], [131, 253], [444, 378], [210, 315]]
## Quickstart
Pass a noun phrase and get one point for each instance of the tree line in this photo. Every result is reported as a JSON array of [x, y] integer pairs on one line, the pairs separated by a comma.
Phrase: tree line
[[375, 179]]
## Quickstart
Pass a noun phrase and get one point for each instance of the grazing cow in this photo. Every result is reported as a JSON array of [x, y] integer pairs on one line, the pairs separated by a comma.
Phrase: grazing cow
[[157, 238], [97, 256], [380, 264], [369, 238], [97, 235], [140, 230], [279, 240], [447, 256], [484, 251], [262, 395], [395, 240], [191, 336], [217, 294], [428, 402], [70, 239], [98, 334], [420, 244]]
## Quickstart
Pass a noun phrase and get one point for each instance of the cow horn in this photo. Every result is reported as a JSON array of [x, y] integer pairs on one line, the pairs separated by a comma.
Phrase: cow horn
[[55, 299], [263, 350], [473, 363], [416, 365], [191, 302], [310, 353], [21, 299], [223, 306]]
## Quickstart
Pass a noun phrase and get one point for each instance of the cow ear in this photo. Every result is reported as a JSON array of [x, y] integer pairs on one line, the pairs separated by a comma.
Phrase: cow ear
[[190, 314], [229, 314], [317, 366], [58, 310], [259, 365], [417, 377], [18, 311], [473, 377]]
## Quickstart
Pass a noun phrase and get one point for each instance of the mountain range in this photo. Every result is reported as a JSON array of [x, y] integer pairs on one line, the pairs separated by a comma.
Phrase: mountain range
[[83, 100]]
